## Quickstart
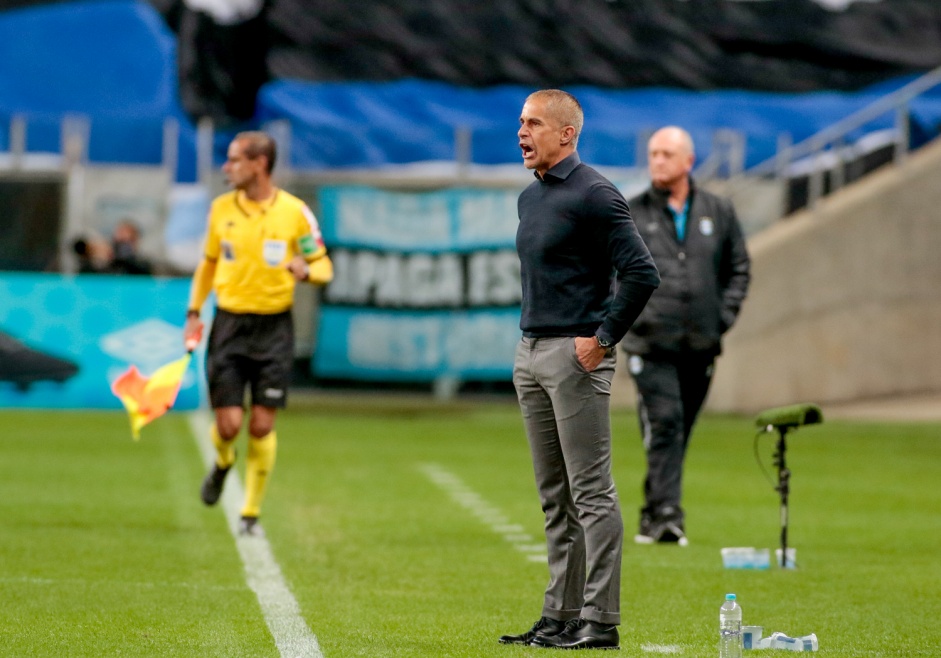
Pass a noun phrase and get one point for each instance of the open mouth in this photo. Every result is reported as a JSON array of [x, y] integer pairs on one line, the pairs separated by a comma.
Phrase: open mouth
[[527, 150]]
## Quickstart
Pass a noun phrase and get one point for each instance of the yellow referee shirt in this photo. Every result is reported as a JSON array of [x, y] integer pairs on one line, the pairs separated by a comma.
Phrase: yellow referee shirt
[[252, 243]]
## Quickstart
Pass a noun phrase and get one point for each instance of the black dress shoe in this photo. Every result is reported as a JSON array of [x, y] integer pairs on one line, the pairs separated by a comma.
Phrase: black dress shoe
[[582, 634], [545, 627]]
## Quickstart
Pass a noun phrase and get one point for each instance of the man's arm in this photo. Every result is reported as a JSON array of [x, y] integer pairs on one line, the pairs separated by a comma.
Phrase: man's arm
[[637, 276], [311, 264], [199, 292], [736, 271], [318, 271]]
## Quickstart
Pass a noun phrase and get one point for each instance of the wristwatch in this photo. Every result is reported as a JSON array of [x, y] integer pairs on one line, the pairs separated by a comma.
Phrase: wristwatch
[[603, 342]]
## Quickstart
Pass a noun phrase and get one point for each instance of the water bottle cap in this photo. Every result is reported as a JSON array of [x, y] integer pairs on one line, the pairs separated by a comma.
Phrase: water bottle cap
[[729, 597]]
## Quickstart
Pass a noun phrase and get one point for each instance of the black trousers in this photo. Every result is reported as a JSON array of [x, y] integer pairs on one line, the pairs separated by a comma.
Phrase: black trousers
[[671, 391]]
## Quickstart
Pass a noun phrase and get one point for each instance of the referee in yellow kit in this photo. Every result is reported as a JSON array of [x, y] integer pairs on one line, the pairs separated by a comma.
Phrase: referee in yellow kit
[[260, 241]]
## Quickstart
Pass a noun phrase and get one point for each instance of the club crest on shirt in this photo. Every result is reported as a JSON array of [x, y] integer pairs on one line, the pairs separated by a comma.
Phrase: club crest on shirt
[[706, 226], [274, 251], [228, 251], [635, 364]]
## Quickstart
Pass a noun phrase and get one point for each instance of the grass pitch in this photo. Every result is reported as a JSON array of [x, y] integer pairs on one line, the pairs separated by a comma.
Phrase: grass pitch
[[404, 528]]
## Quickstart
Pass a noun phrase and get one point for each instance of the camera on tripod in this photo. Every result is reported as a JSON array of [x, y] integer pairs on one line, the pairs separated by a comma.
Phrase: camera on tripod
[[783, 420], [789, 417]]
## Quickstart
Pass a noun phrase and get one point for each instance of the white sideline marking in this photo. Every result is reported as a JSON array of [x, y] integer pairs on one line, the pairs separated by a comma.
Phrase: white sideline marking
[[262, 573], [493, 518], [662, 648]]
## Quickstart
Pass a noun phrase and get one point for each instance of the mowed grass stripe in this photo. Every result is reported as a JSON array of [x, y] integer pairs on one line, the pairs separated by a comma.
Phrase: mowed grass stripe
[[383, 564], [394, 568], [105, 549], [514, 534], [262, 573]]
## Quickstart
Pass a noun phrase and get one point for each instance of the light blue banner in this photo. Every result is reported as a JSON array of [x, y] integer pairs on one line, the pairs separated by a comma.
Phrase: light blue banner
[[426, 286], [99, 323], [443, 220], [390, 345]]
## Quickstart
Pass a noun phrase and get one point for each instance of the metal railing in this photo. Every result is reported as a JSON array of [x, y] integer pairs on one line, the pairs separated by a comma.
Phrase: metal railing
[[726, 157], [74, 138], [833, 139]]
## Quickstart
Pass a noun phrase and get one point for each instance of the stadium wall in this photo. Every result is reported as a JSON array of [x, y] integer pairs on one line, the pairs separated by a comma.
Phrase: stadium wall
[[844, 303]]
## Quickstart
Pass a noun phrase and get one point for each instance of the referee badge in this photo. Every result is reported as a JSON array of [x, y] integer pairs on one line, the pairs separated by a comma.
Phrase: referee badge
[[706, 226], [274, 252]]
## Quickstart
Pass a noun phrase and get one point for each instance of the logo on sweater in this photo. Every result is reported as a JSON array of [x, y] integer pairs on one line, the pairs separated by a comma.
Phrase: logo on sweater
[[635, 364], [706, 226]]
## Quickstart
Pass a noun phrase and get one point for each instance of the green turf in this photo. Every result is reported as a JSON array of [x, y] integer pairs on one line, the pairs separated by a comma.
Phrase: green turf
[[106, 550]]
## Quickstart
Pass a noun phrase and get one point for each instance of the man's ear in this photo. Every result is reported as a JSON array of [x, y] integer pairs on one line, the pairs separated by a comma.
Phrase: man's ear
[[568, 134]]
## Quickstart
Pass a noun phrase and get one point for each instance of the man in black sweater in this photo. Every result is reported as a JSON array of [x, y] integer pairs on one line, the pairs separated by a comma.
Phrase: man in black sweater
[[586, 274], [698, 246]]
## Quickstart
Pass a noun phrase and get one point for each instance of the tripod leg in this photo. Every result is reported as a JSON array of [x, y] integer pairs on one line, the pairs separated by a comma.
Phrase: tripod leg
[[784, 476]]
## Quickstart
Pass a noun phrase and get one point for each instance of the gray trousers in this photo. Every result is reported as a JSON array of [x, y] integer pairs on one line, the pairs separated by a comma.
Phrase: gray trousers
[[566, 413]]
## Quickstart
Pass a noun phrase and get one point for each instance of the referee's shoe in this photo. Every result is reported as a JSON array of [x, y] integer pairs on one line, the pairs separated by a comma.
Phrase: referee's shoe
[[212, 485]]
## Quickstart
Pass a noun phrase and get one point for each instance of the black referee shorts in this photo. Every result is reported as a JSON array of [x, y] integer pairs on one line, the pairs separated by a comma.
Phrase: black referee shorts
[[250, 349]]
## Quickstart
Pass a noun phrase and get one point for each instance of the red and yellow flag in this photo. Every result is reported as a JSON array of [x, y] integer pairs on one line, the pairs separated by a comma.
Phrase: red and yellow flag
[[147, 398]]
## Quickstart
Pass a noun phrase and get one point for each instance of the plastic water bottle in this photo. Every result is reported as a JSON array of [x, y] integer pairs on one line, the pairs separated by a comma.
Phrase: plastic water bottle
[[730, 628]]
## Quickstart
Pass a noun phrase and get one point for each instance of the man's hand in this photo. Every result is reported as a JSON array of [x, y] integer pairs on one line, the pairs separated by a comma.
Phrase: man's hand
[[588, 352], [192, 331], [299, 268]]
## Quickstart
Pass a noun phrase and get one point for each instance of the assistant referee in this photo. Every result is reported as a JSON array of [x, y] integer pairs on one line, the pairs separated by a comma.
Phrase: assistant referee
[[260, 241]]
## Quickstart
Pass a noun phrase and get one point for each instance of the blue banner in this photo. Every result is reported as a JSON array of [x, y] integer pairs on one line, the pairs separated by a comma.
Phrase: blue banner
[[379, 345], [443, 220], [64, 339], [426, 286]]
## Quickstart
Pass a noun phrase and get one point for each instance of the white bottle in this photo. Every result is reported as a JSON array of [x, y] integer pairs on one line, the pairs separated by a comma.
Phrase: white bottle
[[730, 628]]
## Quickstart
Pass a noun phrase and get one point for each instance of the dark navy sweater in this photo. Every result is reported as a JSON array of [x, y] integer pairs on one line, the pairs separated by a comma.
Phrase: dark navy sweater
[[584, 268]]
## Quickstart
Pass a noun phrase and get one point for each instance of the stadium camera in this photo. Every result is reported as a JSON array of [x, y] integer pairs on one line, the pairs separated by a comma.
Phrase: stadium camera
[[785, 419], [789, 417]]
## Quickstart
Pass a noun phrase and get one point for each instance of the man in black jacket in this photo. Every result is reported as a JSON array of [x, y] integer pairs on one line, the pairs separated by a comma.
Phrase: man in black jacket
[[699, 249]]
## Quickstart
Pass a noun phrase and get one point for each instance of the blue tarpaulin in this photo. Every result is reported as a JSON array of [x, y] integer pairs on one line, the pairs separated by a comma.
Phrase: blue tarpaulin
[[375, 124], [114, 62]]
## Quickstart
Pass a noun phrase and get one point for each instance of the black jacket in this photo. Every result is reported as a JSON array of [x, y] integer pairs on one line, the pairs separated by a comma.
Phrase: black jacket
[[703, 280]]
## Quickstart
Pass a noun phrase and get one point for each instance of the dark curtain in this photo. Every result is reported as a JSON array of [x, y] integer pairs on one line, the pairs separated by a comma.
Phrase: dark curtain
[[222, 67], [771, 45]]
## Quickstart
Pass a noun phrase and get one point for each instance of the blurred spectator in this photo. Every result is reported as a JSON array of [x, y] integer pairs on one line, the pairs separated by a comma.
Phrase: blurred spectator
[[125, 257], [94, 255], [119, 256]]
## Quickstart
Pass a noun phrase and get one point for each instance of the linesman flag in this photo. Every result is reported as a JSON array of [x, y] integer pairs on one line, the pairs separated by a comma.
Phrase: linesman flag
[[148, 398]]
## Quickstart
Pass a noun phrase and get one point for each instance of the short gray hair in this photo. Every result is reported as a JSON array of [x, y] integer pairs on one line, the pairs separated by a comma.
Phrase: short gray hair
[[564, 108]]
